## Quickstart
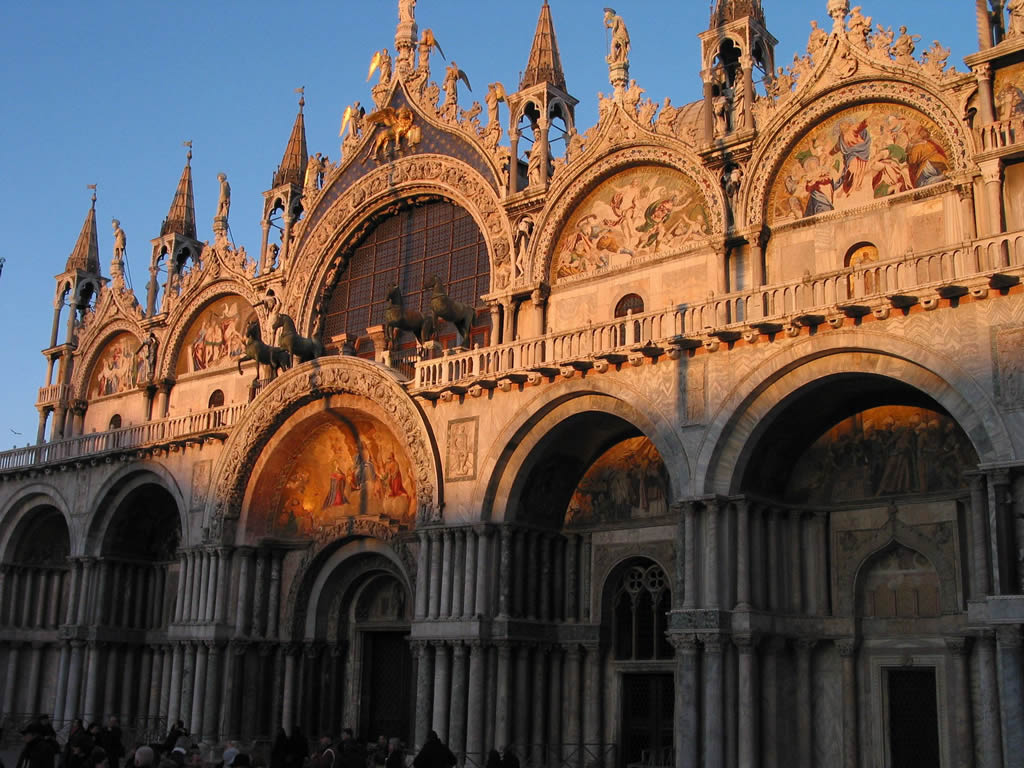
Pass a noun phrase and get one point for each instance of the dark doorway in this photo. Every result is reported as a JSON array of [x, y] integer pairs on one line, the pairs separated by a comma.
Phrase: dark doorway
[[647, 701], [387, 673], [913, 718]]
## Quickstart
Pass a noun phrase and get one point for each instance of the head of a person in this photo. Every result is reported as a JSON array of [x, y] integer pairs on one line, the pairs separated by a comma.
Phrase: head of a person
[[347, 735], [432, 736], [98, 758], [394, 744], [144, 757], [31, 731], [229, 756], [112, 722]]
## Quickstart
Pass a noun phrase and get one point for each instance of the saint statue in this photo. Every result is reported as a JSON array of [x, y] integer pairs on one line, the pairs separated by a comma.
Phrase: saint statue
[[119, 241], [407, 11], [619, 53], [224, 201]]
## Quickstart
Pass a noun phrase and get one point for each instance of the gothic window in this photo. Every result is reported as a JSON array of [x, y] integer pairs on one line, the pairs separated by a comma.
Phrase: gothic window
[[216, 399], [859, 259], [631, 302], [115, 422], [640, 605], [409, 248]]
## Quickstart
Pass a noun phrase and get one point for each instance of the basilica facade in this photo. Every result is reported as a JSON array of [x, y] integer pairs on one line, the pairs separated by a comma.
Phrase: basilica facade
[[689, 438]]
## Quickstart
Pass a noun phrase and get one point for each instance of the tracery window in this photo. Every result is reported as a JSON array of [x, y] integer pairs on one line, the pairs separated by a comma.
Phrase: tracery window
[[629, 303], [640, 608], [408, 248]]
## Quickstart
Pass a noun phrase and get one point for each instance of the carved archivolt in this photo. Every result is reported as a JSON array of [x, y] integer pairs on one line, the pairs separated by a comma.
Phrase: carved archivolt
[[568, 197], [320, 251], [798, 120], [184, 315], [305, 384]]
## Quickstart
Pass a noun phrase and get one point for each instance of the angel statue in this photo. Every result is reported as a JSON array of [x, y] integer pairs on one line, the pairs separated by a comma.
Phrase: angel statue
[[382, 61], [495, 93], [452, 75], [620, 37]]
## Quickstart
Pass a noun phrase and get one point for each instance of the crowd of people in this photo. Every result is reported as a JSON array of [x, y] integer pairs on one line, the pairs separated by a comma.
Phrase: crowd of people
[[102, 746]]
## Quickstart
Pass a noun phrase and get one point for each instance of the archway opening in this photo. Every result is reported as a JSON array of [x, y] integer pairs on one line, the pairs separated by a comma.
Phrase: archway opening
[[37, 583]]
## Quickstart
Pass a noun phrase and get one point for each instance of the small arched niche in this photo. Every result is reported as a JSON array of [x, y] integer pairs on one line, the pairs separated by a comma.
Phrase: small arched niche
[[898, 583]]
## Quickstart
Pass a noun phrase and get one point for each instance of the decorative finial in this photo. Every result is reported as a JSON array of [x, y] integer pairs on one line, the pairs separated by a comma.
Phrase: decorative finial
[[188, 155], [301, 90], [93, 188]]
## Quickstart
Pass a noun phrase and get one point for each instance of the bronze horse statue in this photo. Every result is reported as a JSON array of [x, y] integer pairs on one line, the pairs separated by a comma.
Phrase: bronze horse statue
[[298, 347], [255, 349], [397, 319], [458, 314]]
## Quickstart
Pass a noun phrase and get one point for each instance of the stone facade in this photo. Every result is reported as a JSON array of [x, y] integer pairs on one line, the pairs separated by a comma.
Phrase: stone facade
[[723, 469]]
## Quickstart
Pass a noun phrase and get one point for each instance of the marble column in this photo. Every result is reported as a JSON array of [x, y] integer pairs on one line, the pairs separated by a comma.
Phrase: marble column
[[174, 698], [690, 555], [533, 572], [795, 555], [558, 580], [448, 566], [203, 585], [62, 684], [712, 511], [988, 719], [714, 744], [242, 609], [35, 658], [585, 565], [572, 579], [960, 699], [457, 705], [748, 747], [519, 559], [92, 668], [502, 725], [687, 695], [288, 718], [804, 699], [71, 706], [523, 703], [469, 571], [179, 602], [592, 707], [422, 574], [213, 585], [537, 699], [228, 724], [197, 585], [274, 598], [188, 685], [980, 581], [258, 626], [571, 707], [167, 652], [554, 719], [1011, 689], [73, 597], [442, 688], [424, 689], [147, 696], [847, 648], [85, 584], [546, 580], [220, 608], [213, 689], [483, 571], [112, 669], [742, 556], [505, 573], [774, 567], [434, 608], [475, 749], [771, 647]]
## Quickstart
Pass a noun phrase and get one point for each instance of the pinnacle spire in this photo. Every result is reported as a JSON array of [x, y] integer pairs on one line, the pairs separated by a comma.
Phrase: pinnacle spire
[[86, 255], [292, 169], [181, 218], [545, 65], [725, 11]]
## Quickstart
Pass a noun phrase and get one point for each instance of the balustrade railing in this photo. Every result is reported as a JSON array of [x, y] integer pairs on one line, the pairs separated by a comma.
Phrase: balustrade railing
[[55, 393], [1002, 134], [136, 436], [820, 294]]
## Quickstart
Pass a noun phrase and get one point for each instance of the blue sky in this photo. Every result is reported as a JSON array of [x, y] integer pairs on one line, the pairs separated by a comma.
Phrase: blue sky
[[106, 92]]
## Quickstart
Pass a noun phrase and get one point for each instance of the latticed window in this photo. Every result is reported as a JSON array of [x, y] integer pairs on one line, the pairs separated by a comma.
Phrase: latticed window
[[408, 249], [629, 303], [641, 605]]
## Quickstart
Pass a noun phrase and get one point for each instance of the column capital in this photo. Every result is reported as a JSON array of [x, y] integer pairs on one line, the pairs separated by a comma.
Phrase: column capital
[[1009, 636], [239, 647], [458, 648], [418, 646], [687, 644], [713, 644], [572, 650], [265, 649], [805, 644], [746, 643], [847, 646], [983, 71], [958, 645]]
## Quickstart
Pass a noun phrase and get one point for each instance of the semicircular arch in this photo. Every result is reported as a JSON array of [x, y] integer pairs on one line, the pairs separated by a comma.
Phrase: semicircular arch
[[82, 374], [504, 473], [187, 313], [567, 195], [302, 385], [320, 252], [786, 129], [21, 508], [722, 458]]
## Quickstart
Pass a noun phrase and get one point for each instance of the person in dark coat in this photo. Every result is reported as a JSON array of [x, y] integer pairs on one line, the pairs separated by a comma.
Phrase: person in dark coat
[[395, 758], [509, 759], [38, 751], [177, 731], [434, 754], [493, 759], [279, 751], [110, 740]]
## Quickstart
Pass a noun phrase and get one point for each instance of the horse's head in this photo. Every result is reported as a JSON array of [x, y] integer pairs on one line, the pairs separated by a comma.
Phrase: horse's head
[[252, 330], [394, 294], [435, 284]]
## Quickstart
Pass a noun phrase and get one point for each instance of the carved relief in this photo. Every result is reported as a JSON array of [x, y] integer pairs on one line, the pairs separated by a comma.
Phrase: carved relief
[[1009, 357], [460, 460], [200, 483]]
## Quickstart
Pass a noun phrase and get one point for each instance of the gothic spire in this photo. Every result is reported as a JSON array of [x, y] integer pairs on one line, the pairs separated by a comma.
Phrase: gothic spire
[[86, 255], [545, 65], [725, 11], [181, 218], [292, 169]]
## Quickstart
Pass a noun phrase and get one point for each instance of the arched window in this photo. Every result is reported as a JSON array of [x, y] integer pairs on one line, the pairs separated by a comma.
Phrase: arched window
[[859, 259], [630, 303], [216, 399], [408, 249], [640, 607], [115, 421]]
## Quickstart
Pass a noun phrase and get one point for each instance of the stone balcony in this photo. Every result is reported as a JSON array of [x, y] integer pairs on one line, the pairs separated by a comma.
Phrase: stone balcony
[[53, 395], [1005, 137], [975, 268]]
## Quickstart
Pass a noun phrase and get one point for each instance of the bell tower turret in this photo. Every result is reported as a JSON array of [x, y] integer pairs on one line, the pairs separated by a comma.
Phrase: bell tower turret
[[77, 286], [541, 103], [291, 182], [177, 242]]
